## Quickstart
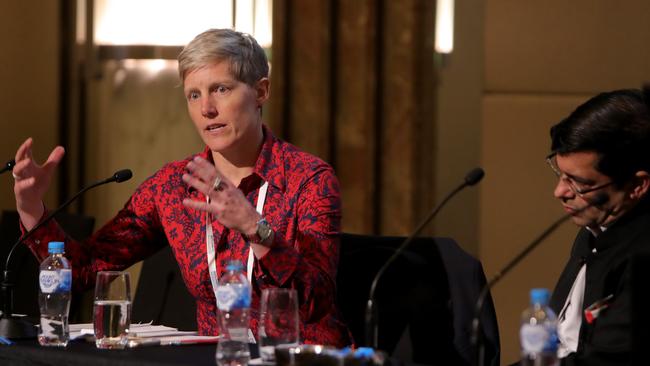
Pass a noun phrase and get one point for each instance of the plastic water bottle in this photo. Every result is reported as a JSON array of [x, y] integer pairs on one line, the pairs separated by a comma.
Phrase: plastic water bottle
[[55, 281], [233, 301], [538, 333]]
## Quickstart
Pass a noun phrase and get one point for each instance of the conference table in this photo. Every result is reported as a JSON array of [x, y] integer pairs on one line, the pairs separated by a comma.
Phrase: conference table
[[81, 353], [84, 353]]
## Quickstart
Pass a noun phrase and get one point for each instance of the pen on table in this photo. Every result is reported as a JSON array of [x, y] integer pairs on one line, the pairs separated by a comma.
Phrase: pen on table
[[5, 341], [167, 342]]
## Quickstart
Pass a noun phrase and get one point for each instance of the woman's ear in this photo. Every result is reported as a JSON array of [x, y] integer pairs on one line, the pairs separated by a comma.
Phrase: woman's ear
[[262, 90]]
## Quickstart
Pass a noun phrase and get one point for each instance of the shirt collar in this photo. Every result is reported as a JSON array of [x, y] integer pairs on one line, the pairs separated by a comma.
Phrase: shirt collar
[[594, 232], [619, 232], [269, 165]]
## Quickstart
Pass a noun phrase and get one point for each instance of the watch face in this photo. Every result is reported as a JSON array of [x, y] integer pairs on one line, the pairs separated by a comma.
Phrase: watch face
[[263, 229]]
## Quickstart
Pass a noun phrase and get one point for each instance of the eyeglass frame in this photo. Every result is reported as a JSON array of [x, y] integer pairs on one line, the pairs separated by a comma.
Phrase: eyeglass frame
[[570, 181]]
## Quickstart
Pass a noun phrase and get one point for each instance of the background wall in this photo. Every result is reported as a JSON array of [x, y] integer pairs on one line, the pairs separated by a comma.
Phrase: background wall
[[458, 125], [29, 77]]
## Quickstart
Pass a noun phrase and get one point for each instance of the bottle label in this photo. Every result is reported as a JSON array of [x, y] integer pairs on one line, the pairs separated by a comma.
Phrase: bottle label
[[233, 297], [55, 281], [533, 338], [238, 334], [552, 342]]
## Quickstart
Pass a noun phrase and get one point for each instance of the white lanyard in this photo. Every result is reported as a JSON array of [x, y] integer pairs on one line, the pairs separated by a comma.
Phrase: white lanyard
[[209, 241]]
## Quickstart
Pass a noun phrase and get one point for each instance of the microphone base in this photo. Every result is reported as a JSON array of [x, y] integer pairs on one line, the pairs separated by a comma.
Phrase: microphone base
[[13, 327]]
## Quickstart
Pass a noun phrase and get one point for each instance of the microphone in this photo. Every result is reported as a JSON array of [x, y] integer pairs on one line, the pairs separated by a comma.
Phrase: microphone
[[476, 339], [8, 166], [17, 328], [471, 178], [119, 177]]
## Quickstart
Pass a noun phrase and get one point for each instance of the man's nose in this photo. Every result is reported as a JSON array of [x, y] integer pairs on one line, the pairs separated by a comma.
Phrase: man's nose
[[563, 189]]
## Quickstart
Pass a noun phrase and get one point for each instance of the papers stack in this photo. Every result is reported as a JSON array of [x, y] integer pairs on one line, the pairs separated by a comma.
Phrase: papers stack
[[135, 331]]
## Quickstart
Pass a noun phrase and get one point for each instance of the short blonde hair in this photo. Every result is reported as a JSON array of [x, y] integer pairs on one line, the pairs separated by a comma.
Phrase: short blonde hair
[[248, 62]]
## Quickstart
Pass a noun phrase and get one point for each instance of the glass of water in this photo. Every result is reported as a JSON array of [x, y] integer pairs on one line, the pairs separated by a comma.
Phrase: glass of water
[[279, 321], [112, 309]]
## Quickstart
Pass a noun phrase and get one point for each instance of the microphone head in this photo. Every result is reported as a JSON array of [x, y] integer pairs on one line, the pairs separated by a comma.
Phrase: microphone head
[[122, 175], [474, 176], [8, 166]]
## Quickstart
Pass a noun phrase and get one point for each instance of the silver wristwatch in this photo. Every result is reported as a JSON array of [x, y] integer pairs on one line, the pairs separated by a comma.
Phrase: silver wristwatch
[[262, 232]]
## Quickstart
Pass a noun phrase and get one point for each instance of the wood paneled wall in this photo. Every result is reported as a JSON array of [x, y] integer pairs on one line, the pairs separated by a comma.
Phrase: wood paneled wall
[[353, 82], [29, 66]]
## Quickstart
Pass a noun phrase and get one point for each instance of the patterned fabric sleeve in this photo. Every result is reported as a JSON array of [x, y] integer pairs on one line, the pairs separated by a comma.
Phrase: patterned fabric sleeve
[[133, 234], [309, 263]]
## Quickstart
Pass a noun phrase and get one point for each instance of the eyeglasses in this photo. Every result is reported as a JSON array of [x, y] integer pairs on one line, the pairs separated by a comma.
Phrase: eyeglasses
[[574, 183]]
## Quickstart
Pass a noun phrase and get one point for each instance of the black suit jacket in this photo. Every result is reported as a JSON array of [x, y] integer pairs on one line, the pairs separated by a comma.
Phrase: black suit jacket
[[466, 280], [607, 340]]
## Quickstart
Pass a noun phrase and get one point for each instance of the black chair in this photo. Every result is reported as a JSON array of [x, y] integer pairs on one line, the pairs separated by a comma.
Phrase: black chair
[[24, 264], [161, 296], [419, 292]]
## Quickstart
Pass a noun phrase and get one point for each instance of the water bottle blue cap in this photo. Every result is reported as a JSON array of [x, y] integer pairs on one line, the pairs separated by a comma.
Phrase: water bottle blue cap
[[234, 266], [539, 296], [55, 247], [364, 352]]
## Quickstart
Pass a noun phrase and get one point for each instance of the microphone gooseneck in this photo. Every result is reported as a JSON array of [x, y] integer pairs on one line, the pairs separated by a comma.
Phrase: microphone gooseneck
[[476, 339], [471, 178], [8, 166], [120, 176], [15, 328]]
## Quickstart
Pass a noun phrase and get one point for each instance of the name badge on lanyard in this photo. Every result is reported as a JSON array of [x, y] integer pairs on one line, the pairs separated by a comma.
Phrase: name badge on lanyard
[[209, 241]]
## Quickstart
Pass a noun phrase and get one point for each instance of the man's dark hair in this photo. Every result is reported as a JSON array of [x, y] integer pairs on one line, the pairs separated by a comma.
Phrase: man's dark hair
[[615, 125]]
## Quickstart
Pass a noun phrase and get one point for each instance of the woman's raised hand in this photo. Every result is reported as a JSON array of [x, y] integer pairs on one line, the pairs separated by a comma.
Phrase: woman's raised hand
[[32, 182], [227, 203]]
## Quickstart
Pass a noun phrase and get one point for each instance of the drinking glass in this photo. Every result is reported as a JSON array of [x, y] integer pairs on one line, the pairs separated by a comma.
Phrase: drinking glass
[[279, 321], [112, 309]]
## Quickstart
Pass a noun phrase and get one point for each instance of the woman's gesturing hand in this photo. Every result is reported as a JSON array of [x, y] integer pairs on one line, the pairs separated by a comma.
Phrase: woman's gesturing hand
[[227, 203], [32, 182]]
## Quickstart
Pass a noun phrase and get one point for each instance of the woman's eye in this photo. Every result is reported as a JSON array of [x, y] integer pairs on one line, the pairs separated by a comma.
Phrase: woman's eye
[[193, 96]]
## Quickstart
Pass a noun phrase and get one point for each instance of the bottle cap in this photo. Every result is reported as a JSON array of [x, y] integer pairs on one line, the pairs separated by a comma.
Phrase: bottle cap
[[539, 296], [55, 247], [234, 266]]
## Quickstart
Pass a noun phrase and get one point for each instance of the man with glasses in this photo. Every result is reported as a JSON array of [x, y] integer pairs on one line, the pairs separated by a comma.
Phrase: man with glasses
[[601, 148]]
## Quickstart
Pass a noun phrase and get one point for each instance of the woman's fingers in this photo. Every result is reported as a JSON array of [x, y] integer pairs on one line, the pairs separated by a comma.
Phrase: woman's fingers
[[24, 151], [227, 203], [54, 159], [197, 183], [198, 205], [21, 169], [202, 169], [207, 177], [203, 164], [25, 183]]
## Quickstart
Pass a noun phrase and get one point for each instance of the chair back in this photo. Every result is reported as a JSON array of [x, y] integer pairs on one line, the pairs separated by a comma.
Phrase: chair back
[[161, 294], [412, 294]]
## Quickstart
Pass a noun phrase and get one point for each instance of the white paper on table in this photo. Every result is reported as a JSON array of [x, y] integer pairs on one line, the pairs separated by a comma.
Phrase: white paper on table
[[256, 361], [171, 341], [135, 330]]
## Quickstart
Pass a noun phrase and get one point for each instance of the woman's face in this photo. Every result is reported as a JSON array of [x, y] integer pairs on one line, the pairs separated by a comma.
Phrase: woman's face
[[224, 110]]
